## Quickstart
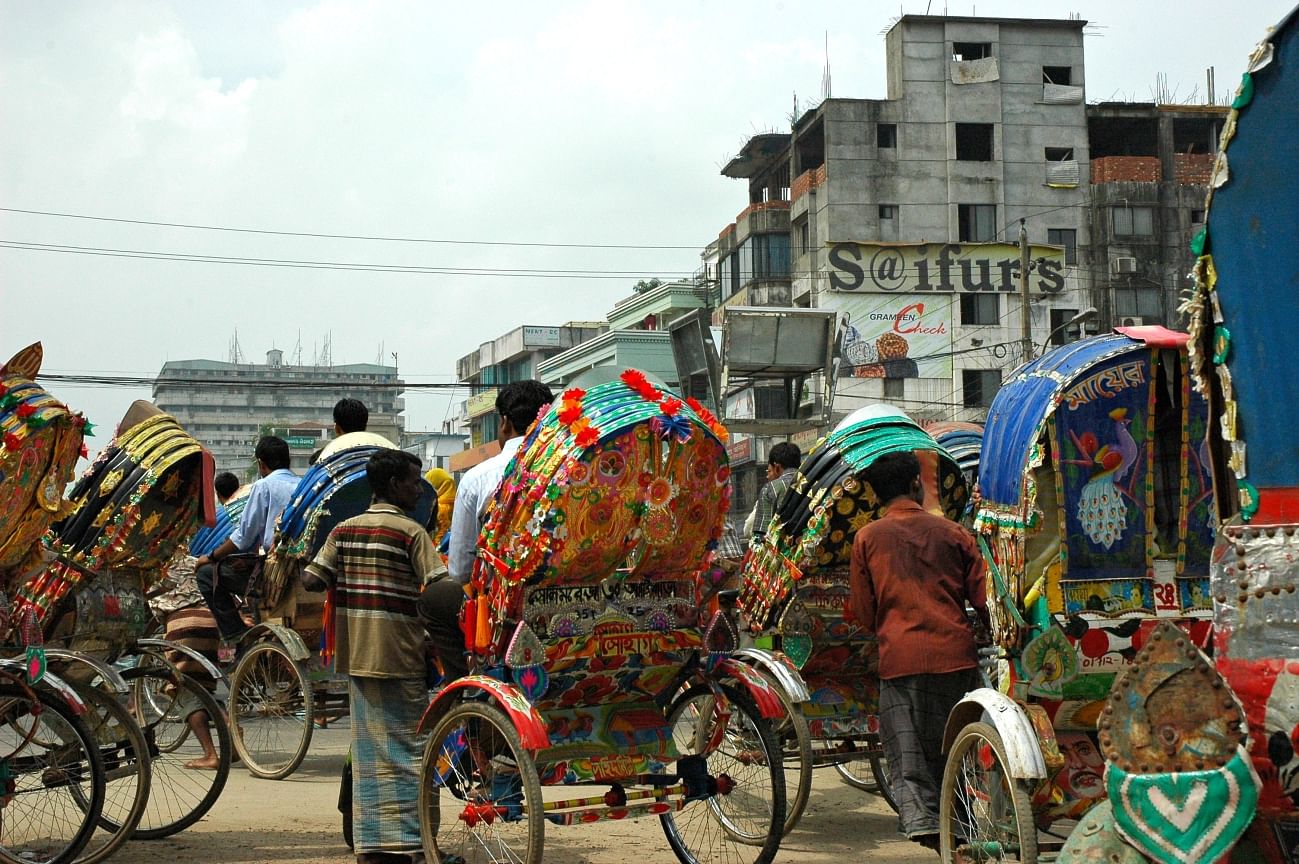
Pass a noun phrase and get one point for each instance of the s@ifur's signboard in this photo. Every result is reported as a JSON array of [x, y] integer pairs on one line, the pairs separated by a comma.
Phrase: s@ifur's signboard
[[941, 267], [890, 336]]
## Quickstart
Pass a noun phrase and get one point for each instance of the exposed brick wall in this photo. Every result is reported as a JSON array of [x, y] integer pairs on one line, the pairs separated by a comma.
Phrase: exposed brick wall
[[762, 205], [729, 229], [1193, 169], [806, 182], [1130, 169]]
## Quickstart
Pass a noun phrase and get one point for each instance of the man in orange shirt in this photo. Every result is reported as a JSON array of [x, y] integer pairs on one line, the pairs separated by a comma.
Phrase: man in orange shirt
[[913, 573]]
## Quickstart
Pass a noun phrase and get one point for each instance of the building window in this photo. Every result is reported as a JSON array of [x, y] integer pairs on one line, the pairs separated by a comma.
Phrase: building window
[[886, 135], [804, 234], [1140, 303], [1197, 217], [1134, 221], [971, 50], [980, 310], [1057, 75], [1066, 237], [978, 386], [1059, 154], [888, 211], [1060, 334], [974, 142], [977, 223], [895, 388]]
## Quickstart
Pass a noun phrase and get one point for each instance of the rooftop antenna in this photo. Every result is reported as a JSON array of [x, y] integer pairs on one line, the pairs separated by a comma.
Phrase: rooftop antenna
[[825, 76], [235, 353], [297, 350]]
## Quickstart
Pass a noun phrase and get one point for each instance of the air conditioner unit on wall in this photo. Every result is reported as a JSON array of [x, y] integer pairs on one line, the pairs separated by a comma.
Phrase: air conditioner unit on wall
[[1131, 321], [1125, 264]]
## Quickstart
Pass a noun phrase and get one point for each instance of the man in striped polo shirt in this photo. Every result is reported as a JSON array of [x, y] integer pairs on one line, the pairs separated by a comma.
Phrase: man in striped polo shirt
[[377, 563]]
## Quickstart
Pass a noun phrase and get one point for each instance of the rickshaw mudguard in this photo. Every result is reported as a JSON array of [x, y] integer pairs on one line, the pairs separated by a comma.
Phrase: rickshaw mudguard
[[49, 682], [526, 719], [102, 669], [762, 691], [213, 671], [784, 673], [1023, 755], [286, 636]]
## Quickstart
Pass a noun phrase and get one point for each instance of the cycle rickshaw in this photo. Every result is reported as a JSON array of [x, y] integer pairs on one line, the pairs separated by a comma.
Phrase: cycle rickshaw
[[795, 590], [53, 775], [596, 662], [283, 686], [1095, 523], [135, 505]]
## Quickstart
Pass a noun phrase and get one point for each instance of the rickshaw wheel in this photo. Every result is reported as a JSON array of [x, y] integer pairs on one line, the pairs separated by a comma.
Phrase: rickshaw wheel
[[178, 796], [869, 774], [746, 750], [127, 772], [272, 706], [795, 739], [58, 778], [983, 811], [479, 794]]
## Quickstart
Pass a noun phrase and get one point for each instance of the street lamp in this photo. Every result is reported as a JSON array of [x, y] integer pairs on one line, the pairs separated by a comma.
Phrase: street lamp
[[1081, 316]]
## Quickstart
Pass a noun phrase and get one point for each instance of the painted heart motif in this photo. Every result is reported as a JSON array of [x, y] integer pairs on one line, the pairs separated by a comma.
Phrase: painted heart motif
[[1194, 817]]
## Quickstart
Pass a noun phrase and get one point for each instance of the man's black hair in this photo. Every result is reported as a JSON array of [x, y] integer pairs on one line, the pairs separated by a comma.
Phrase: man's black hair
[[521, 400], [891, 475], [273, 452], [388, 465], [785, 455], [226, 484], [351, 415]]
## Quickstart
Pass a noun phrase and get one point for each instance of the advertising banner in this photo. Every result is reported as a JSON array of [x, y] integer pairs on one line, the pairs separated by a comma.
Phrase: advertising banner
[[890, 336]]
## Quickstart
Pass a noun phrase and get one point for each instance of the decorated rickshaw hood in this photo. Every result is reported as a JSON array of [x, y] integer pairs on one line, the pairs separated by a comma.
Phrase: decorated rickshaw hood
[[1023, 405]]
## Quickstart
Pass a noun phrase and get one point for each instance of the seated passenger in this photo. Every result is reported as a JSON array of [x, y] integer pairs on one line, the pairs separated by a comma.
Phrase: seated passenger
[[439, 605], [219, 582], [350, 419]]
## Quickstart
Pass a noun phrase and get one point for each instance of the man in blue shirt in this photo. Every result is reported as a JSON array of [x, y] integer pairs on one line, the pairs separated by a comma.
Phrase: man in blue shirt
[[219, 582]]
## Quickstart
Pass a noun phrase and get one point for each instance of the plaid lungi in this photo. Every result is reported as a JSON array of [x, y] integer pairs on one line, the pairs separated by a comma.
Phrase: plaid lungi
[[386, 754], [913, 716]]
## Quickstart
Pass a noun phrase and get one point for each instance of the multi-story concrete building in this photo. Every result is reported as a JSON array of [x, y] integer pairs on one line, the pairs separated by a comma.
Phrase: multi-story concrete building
[[1150, 169], [904, 212], [228, 406], [513, 356]]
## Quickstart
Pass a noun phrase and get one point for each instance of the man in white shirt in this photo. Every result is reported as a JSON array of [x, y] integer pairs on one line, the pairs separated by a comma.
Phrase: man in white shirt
[[517, 406], [351, 418]]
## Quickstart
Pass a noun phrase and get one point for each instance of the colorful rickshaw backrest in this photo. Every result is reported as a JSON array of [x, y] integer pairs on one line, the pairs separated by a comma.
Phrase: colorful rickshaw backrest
[[1096, 497], [40, 440], [143, 497], [830, 499], [1243, 320], [605, 520], [333, 490]]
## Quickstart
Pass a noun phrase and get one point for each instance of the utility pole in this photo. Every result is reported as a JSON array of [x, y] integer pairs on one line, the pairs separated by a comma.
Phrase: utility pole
[[1026, 320]]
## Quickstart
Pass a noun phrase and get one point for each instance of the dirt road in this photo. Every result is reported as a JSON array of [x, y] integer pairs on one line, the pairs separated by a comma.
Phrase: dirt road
[[296, 821]]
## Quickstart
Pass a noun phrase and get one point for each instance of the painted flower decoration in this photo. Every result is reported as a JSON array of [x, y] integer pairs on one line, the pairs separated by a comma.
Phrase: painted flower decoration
[[639, 384], [669, 426], [609, 466], [660, 492]]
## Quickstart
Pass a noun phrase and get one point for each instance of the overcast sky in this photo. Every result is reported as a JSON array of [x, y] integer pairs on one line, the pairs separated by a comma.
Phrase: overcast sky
[[550, 123]]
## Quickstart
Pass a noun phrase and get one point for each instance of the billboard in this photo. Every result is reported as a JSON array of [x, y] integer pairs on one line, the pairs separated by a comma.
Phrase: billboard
[[941, 268], [891, 336], [480, 403], [541, 337]]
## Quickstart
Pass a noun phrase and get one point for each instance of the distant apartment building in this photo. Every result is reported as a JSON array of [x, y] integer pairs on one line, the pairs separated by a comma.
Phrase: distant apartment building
[[228, 406], [903, 213], [512, 356]]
